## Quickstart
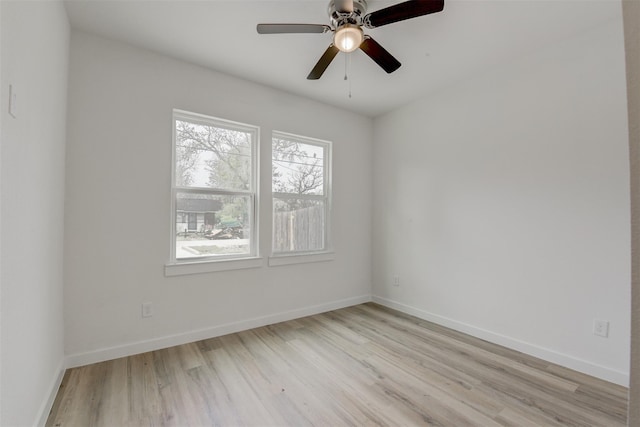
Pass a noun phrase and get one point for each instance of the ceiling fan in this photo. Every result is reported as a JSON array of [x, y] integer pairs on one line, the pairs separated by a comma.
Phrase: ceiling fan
[[347, 20]]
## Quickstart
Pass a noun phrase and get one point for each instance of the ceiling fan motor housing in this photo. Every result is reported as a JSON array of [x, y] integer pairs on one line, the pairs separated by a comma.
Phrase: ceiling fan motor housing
[[340, 18]]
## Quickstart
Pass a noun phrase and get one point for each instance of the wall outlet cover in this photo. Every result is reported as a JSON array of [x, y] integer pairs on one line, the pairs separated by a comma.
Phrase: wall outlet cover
[[601, 328]]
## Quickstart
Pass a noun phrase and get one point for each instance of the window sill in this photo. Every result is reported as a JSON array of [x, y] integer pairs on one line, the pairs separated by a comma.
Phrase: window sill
[[197, 267], [276, 260]]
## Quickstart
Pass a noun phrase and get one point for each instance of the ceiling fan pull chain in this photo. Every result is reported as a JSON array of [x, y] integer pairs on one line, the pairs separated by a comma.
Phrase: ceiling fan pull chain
[[347, 66], [349, 78]]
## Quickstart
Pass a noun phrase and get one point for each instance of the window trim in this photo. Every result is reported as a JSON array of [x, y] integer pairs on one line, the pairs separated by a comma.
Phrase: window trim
[[198, 267], [326, 253], [216, 263], [300, 258]]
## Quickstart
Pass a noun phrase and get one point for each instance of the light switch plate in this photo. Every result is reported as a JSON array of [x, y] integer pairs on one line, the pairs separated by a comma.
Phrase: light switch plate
[[13, 102]]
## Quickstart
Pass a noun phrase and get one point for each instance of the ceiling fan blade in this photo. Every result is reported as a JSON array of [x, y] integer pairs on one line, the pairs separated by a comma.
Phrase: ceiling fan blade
[[292, 28], [323, 63], [401, 11], [344, 6], [380, 55]]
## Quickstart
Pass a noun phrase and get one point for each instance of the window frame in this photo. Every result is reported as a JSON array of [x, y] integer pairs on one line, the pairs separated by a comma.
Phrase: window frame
[[326, 253], [201, 264]]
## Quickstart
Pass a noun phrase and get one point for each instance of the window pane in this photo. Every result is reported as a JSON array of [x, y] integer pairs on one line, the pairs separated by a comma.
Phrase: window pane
[[214, 157], [212, 225], [298, 168], [298, 225]]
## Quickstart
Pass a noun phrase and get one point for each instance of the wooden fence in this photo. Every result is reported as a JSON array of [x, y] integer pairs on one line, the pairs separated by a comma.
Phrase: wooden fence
[[299, 230]]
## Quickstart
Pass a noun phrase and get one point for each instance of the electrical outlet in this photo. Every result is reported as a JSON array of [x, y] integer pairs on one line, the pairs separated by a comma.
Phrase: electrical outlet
[[396, 281], [147, 309], [601, 328]]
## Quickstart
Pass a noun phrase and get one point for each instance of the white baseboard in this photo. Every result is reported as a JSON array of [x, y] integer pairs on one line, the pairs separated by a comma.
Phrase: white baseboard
[[589, 368], [130, 349], [46, 406]]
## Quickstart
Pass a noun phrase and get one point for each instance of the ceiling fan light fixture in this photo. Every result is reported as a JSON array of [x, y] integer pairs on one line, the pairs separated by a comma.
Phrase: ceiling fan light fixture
[[348, 37]]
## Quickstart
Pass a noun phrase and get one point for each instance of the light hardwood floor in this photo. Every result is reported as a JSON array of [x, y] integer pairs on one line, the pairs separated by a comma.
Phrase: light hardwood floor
[[362, 365]]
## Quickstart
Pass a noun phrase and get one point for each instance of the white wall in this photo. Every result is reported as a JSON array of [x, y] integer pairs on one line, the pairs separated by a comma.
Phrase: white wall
[[631, 13], [503, 204], [118, 170], [35, 43]]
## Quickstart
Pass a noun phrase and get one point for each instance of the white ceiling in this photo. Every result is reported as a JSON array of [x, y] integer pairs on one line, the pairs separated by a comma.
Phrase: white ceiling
[[468, 37]]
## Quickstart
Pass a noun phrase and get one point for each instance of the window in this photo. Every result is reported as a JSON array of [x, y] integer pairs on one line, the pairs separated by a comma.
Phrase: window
[[214, 199], [301, 194]]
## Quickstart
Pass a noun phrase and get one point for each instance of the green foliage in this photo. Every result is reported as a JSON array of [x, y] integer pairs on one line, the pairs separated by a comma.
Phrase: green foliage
[[236, 209]]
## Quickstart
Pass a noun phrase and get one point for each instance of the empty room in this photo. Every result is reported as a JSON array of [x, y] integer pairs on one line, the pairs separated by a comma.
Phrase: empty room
[[319, 212]]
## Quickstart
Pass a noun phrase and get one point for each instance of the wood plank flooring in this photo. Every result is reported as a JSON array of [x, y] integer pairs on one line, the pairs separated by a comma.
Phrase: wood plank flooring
[[358, 366]]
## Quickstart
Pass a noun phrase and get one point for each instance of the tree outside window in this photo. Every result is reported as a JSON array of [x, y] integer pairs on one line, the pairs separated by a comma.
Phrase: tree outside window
[[300, 188], [213, 188]]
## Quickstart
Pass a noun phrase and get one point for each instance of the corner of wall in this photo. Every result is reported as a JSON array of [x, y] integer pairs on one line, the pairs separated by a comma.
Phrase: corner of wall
[[631, 17]]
